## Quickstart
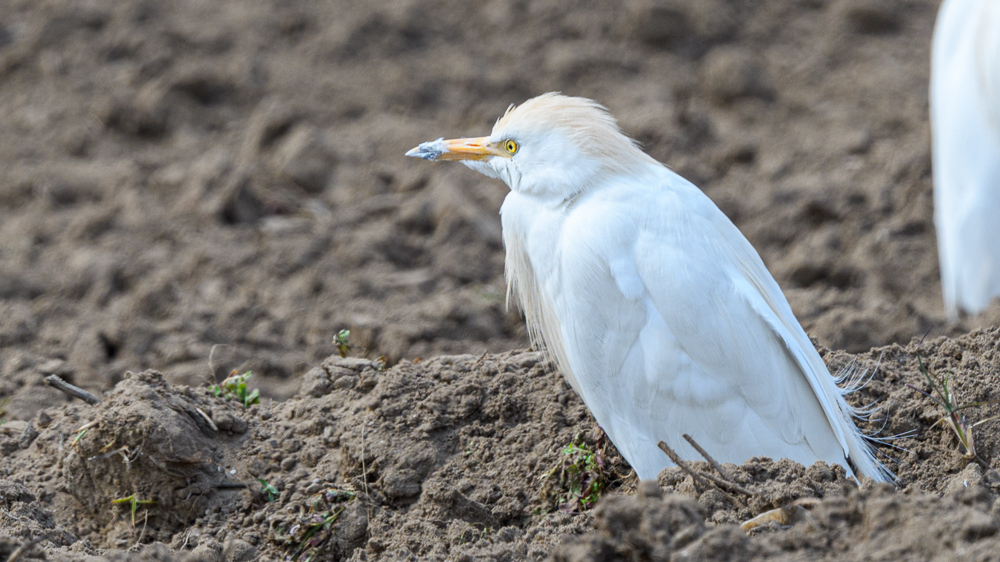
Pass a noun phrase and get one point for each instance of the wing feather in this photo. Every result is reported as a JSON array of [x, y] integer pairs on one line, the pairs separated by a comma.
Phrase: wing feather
[[690, 334]]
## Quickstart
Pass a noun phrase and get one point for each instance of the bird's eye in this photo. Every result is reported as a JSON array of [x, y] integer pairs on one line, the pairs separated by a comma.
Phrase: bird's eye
[[510, 146]]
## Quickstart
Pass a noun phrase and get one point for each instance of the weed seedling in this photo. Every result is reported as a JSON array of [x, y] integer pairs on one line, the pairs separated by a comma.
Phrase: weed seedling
[[318, 523], [306, 539], [235, 388], [577, 481], [269, 489], [133, 502], [78, 437], [944, 396], [341, 340], [474, 532]]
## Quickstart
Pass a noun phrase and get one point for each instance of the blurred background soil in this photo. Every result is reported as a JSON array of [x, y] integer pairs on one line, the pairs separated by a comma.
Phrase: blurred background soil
[[196, 187]]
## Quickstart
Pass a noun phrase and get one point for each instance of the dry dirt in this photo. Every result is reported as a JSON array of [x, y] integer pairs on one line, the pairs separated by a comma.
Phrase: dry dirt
[[194, 187]]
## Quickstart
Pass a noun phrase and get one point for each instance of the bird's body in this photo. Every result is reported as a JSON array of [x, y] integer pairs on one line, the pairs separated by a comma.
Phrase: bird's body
[[658, 311], [965, 124]]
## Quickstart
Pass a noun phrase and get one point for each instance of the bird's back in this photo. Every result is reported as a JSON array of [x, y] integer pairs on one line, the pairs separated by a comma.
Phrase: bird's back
[[669, 323]]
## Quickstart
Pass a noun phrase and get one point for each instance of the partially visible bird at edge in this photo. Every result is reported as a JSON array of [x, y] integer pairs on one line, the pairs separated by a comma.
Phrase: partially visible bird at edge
[[965, 149], [658, 311]]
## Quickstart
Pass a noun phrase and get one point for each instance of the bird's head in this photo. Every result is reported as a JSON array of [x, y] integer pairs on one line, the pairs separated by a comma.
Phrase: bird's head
[[552, 146]]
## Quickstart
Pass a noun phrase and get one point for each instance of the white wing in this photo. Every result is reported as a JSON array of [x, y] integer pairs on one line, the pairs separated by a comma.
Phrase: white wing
[[690, 334], [965, 123]]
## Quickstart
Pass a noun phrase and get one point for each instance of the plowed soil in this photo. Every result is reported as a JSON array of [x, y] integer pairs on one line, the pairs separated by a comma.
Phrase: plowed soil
[[189, 188]]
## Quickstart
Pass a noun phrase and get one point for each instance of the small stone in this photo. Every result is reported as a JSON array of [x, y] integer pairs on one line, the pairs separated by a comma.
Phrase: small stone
[[223, 420], [43, 420], [239, 426], [27, 436], [208, 552], [352, 363], [529, 360], [346, 383], [238, 550], [315, 383]]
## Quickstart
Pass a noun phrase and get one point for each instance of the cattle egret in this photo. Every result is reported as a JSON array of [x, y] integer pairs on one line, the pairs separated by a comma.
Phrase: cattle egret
[[659, 313], [965, 127]]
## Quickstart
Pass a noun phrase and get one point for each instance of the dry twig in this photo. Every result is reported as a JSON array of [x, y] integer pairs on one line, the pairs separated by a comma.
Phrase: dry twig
[[699, 475], [74, 391], [715, 464]]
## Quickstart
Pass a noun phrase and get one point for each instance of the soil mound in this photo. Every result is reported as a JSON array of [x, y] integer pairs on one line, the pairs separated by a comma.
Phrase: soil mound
[[491, 456], [869, 524]]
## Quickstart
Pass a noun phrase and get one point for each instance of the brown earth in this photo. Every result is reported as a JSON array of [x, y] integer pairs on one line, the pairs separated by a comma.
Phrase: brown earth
[[196, 187], [465, 457]]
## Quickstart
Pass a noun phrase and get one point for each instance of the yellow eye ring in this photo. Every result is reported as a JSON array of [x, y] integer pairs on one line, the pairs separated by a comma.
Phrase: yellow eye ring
[[510, 146]]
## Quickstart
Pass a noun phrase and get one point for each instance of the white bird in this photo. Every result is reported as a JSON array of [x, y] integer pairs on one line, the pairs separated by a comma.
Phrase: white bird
[[659, 313], [965, 127]]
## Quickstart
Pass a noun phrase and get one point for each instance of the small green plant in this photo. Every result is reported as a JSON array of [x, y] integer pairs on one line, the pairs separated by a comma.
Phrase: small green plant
[[577, 481], [269, 489], [307, 537], [944, 396], [474, 532], [235, 387], [133, 502], [341, 340]]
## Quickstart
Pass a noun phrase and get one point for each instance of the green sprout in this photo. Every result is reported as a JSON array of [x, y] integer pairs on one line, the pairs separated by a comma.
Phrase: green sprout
[[269, 489], [319, 523], [577, 481], [474, 532], [235, 387], [342, 343], [944, 396], [307, 538], [133, 502]]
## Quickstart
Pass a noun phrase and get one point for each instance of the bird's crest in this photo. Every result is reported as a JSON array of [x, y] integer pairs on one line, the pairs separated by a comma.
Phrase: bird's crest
[[583, 121]]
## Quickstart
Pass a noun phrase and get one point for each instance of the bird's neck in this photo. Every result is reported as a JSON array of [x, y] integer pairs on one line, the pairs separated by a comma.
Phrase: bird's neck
[[528, 233]]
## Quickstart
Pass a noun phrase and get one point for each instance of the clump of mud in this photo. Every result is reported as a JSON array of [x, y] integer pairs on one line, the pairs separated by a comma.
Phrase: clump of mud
[[160, 452]]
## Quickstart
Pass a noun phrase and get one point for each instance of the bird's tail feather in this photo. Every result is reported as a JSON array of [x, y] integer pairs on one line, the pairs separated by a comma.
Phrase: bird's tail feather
[[860, 447]]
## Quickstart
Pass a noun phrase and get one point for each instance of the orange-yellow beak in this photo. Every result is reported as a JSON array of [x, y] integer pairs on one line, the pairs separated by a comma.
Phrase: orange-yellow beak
[[479, 148]]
